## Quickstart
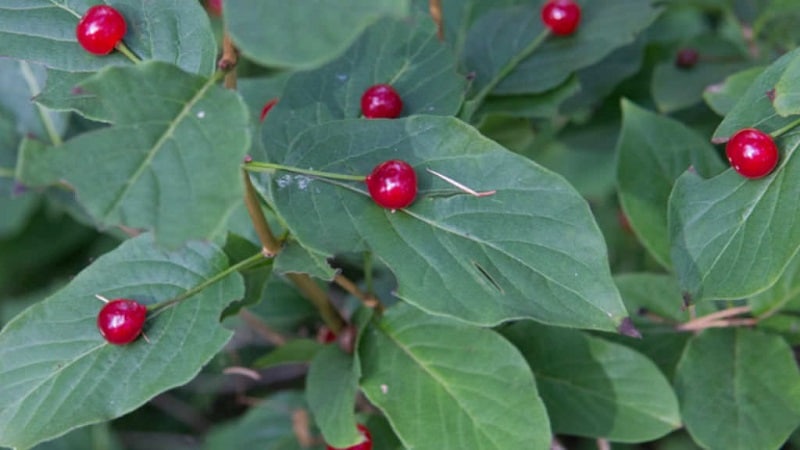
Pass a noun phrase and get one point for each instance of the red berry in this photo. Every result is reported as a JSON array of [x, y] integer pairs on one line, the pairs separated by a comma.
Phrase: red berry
[[214, 7], [100, 29], [392, 184], [266, 108], [121, 320], [687, 58], [325, 335], [381, 101], [366, 444], [752, 153], [561, 16]]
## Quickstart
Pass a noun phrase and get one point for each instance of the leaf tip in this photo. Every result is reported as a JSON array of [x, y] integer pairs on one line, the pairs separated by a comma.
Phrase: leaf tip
[[627, 328]]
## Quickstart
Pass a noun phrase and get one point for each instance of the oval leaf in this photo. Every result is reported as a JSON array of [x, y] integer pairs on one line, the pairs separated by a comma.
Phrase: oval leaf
[[739, 389], [732, 237], [653, 151], [58, 373], [530, 250], [171, 166], [419, 366], [787, 89], [596, 388], [331, 388], [327, 28]]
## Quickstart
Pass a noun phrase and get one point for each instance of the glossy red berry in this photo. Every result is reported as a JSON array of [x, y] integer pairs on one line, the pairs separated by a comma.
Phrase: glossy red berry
[[561, 16], [392, 184], [100, 29], [366, 444], [381, 101], [752, 153], [266, 108], [687, 58], [120, 321]]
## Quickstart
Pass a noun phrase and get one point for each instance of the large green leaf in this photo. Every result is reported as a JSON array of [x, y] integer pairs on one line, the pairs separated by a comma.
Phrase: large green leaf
[[731, 236], [310, 33], [169, 163], [268, 426], [723, 97], [331, 388], [653, 151], [458, 17], [448, 386], [739, 389], [530, 250], [755, 108], [501, 35], [405, 54], [58, 373], [43, 31], [596, 388]]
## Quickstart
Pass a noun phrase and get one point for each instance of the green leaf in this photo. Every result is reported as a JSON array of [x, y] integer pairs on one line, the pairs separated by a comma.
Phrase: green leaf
[[171, 166], [787, 89], [310, 33], [282, 307], [532, 249], [19, 82], [542, 105], [58, 373], [405, 54], [784, 294], [653, 151], [755, 108], [723, 97], [675, 88], [596, 388], [292, 352], [739, 389], [501, 35], [731, 236], [458, 17], [331, 388], [424, 371], [294, 258], [43, 31], [268, 425]]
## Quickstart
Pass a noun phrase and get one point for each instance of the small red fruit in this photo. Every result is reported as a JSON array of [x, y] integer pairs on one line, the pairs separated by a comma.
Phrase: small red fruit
[[381, 101], [325, 335], [687, 58], [266, 108], [561, 16], [120, 321], [392, 184], [752, 153], [214, 7], [366, 444], [100, 29]]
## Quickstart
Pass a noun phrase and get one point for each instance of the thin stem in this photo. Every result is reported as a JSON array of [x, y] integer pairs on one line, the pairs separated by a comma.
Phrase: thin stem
[[33, 86], [228, 61], [783, 130], [319, 299], [256, 166], [128, 53], [368, 300], [472, 106], [241, 265], [271, 245], [714, 319], [261, 328]]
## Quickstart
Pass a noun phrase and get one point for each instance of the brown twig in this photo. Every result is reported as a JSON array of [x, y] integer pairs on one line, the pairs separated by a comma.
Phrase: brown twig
[[311, 290], [724, 318], [228, 61], [261, 328], [370, 301], [268, 240], [435, 8]]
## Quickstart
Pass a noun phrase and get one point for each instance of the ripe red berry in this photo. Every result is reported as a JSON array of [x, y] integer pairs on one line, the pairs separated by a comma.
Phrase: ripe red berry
[[687, 58], [325, 335], [120, 321], [752, 153], [366, 444], [381, 101], [266, 108], [100, 29], [392, 184], [561, 16], [214, 7]]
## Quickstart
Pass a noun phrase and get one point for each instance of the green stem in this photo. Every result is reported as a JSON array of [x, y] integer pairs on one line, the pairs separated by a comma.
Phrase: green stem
[[256, 166], [471, 106], [271, 244], [33, 86], [241, 265], [128, 53], [783, 130]]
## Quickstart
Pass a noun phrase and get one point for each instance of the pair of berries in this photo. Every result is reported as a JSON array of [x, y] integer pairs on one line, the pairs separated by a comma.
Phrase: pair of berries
[[752, 153], [100, 29], [365, 444]]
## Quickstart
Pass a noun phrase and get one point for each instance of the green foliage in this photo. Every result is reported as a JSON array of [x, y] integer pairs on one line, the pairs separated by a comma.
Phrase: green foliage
[[579, 264]]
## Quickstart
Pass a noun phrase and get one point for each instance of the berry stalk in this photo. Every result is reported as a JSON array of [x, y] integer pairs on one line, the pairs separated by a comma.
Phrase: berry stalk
[[256, 166]]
